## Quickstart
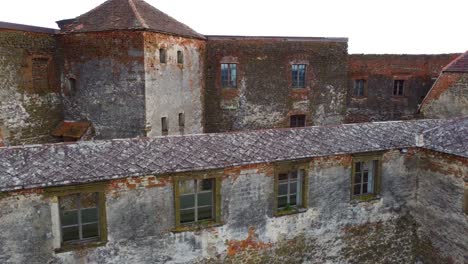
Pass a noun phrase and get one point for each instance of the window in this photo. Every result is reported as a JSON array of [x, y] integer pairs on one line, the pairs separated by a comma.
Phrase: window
[[298, 75], [162, 55], [229, 75], [81, 215], [290, 189], [197, 200], [359, 86], [465, 203], [181, 121], [164, 126], [180, 57], [365, 176], [398, 87], [72, 85], [297, 121]]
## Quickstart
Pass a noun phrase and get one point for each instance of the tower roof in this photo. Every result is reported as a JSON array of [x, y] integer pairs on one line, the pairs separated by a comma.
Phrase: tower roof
[[460, 64], [126, 15]]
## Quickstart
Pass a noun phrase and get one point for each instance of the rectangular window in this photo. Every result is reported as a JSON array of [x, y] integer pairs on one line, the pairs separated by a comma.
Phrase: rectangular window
[[359, 86], [299, 75], [162, 55], [365, 176], [398, 87], [297, 121], [290, 188], [164, 126], [196, 200], [180, 57], [79, 217], [181, 120], [229, 75]]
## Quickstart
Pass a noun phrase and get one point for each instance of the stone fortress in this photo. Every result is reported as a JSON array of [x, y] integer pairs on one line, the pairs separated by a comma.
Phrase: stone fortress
[[127, 137]]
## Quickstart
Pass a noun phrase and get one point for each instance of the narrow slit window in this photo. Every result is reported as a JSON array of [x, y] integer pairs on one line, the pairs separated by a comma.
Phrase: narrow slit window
[[162, 55], [229, 75], [164, 126], [299, 75], [181, 120], [72, 85], [180, 57]]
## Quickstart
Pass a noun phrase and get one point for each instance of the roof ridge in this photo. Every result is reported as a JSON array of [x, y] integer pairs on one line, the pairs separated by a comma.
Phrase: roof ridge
[[137, 14]]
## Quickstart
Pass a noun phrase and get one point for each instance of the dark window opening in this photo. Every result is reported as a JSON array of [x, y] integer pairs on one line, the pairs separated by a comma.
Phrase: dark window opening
[[359, 86], [297, 121], [162, 55], [180, 57], [181, 120], [398, 87], [298, 75], [72, 85], [79, 217], [229, 75], [164, 126]]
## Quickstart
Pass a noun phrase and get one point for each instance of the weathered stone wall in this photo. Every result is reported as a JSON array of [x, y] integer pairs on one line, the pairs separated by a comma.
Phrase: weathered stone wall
[[30, 103], [109, 73], [439, 204], [334, 229], [379, 104], [448, 98], [264, 97], [174, 88]]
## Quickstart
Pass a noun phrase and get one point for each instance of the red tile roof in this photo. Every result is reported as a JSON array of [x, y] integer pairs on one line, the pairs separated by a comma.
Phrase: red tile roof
[[460, 64], [127, 15]]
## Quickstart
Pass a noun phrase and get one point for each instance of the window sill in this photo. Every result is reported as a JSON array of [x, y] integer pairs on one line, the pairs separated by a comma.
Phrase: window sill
[[196, 226], [290, 212], [80, 246], [365, 198]]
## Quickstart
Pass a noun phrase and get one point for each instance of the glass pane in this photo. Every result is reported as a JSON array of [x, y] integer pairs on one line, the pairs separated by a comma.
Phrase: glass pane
[[187, 201], [88, 200], [366, 176], [90, 230], [89, 215], [186, 187], [205, 199], [282, 201], [69, 218], [357, 189], [357, 178], [70, 233], [357, 166], [282, 189], [233, 75], [293, 187], [292, 200], [293, 175], [187, 216], [282, 177], [205, 213], [205, 185], [69, 202], [364, 188]]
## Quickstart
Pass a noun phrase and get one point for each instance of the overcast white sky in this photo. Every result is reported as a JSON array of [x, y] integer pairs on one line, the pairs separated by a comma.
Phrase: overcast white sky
[[372, 26]]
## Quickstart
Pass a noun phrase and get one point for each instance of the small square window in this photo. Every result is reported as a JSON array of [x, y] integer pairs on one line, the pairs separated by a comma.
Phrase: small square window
[[162, 55], [229, 75], [297, 121], [164, 126], [180, 57], [290, 188], [299, 75], [359, 87], [365, 176], [398, 87]]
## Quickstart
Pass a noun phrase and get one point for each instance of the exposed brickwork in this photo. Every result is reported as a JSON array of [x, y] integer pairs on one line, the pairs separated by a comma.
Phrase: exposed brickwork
[[379, 71], [264, 97]]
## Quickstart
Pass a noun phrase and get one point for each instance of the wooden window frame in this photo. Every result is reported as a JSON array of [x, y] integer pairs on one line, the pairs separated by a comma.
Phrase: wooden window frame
[[399, 90], [291, 121], [162, 55], [164, 126], [286, 168], [229, 83], [377, 178], [297, 83], [364, 88], [192, 226], [99, 189], [180, 57]]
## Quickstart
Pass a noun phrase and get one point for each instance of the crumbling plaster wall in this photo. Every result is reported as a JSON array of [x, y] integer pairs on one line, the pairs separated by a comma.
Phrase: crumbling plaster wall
[[140, 217], [448, 97], [264, 97], [108, 69], [379, 104], [30, 102], [174, 88]]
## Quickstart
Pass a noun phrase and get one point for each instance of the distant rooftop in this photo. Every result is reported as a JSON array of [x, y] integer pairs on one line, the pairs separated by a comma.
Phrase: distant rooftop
[[65, 164], [13, 26], [276, 38], [460, 64]]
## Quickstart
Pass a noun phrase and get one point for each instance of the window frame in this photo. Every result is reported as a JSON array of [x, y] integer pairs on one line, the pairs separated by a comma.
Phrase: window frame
[[400, 89], [377, 180], [286, 168], [296, 82], [364, 87], [229, 83], [298, 115], [465, 200], [163, 55], [216, 221], [180, 57], [55, 193], [164, 126]]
